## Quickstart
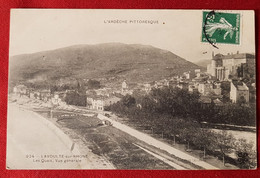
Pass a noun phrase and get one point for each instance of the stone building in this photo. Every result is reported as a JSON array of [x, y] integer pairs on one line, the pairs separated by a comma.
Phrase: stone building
[[222, 66]]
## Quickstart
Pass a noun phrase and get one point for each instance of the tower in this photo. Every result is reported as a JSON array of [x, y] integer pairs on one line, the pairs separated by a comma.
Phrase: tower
[[213, 65]]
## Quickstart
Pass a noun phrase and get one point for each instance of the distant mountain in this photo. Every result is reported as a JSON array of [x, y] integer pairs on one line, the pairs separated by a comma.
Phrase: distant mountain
[[203, 63], [110, 62]]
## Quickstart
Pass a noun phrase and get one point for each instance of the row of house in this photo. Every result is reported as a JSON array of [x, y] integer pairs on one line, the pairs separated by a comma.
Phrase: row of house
[[202, 83], [41, 94], [95, 99], [208, 86], [99, 99], [22, 90]]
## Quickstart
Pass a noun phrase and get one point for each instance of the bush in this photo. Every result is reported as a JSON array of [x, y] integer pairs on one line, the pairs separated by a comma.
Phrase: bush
[[246, 154], [128, 101]]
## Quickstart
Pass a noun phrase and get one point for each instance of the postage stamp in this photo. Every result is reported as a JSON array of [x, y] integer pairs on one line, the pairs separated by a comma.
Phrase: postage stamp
[[221, 27]]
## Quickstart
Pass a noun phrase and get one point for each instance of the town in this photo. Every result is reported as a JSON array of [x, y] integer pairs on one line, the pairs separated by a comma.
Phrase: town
[[229, 78]]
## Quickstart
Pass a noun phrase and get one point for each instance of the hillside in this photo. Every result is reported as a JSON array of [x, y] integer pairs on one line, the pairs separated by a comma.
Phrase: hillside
[[110, 62]]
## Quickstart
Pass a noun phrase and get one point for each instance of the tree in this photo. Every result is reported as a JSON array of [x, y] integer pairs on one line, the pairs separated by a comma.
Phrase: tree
[[128, 100], [246, 154], [174, 101], [188, 131], [236, 114], [148, 104], [223, 141], [225, 90], [81, 89], [203, 139], [53, 88], [174, 127], [74, 98]]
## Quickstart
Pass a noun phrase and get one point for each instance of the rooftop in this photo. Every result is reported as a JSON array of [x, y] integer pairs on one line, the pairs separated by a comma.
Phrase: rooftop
[[240, 85], [234, 56]]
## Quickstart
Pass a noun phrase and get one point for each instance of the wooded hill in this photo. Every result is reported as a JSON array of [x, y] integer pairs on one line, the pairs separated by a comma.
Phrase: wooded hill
[[111, 62]]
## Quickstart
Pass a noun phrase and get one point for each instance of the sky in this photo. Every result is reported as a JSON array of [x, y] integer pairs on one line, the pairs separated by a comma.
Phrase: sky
[[179, 31]]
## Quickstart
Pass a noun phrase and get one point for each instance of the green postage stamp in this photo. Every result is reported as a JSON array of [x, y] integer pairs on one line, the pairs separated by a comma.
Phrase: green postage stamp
[[221, 27]]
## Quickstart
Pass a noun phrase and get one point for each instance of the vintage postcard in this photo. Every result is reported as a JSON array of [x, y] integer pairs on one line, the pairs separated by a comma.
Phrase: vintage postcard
[[131, 89]]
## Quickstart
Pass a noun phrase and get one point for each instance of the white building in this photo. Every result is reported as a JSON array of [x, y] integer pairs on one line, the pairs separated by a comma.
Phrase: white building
[[187, 75], [239, 91], [100, 102], [197, 71], [20, 90]]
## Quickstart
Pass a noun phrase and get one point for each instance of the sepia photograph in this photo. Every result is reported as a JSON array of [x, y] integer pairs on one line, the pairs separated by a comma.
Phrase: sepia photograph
[[131, 89]]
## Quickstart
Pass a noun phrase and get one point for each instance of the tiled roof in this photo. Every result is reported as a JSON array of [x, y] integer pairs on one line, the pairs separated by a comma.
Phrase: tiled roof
[[239, 85]]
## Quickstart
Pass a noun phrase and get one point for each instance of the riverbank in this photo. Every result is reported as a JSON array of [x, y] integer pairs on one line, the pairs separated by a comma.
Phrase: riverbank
[[35, 143]]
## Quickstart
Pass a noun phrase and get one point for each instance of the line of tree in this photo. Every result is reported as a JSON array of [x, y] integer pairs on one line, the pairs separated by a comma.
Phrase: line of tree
[[177, 102], [176, 114]]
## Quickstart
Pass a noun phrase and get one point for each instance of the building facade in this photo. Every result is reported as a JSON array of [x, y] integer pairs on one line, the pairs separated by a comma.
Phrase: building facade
[[239, 92], [100, 102]]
